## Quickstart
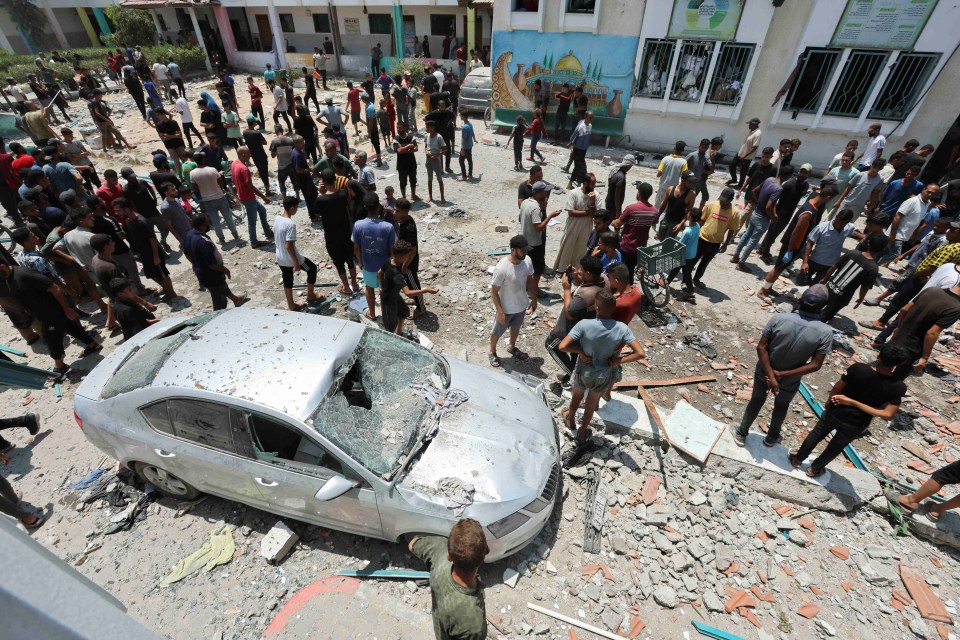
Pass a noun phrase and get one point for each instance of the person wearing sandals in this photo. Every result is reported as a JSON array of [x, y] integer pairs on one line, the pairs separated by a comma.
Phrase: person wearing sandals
[[597, 343], [10, 502], [373, 237], [863, 392], [49, 304], [513, 291], [333, 207], [288, 255], [940, 478]]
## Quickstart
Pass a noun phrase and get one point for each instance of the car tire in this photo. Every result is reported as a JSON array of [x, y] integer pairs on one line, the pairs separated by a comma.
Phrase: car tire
[[165, 482]]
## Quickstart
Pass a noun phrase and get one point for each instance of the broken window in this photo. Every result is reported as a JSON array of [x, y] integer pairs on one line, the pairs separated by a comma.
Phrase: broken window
[[142, 365], [371, 413], [280, 445]]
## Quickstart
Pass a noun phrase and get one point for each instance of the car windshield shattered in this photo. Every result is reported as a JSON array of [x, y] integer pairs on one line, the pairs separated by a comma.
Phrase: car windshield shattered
[[371, 413]]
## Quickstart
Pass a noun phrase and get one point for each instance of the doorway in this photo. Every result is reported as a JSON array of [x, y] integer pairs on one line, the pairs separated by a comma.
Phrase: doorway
[[263, 28], [409, 37], [477, 35]]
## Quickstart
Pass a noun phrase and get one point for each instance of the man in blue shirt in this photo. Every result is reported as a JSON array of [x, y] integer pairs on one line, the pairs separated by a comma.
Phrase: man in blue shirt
[[579, 143], [898, 191], [373, 238], [208, 263]]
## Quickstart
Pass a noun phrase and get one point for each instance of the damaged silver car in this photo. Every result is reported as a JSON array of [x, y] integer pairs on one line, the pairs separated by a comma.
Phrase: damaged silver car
[[329, 422]]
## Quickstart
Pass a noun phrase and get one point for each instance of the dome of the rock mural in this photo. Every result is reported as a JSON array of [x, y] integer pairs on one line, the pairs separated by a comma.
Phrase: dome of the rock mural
[[568, 62]]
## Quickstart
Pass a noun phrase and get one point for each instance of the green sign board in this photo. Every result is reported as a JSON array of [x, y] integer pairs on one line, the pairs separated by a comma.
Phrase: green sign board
[[705, 19], [882, 24]]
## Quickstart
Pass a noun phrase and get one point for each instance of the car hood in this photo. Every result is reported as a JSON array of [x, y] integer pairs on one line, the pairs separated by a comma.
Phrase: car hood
[[502, 441]]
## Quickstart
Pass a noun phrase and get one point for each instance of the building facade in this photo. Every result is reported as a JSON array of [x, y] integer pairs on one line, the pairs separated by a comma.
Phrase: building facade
[[818, 70]]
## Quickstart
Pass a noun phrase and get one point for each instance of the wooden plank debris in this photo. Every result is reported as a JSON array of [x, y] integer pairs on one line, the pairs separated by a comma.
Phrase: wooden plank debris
[[672, 382]]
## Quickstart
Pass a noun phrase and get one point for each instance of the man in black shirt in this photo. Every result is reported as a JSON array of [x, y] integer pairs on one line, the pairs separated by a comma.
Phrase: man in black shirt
[[48, 304], [172, 137], [143, 199], [142, 239], [617, 186], [128, 311], [103, 223], [759, 171], [162, 173], [254, 141], [334, 208], [406, 149], [920, 323], [862, 393], [452, 88], [855, 270], [525, 190]]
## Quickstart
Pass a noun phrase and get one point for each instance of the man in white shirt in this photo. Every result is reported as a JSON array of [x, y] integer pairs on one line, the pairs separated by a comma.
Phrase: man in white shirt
[[438, 74], [161, 78], [512, 289], [874, 149], [186, 117], [280, 107], [907, 220], [320, 64]]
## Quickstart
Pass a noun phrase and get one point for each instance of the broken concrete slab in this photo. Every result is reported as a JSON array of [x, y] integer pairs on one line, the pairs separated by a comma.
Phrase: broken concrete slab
[[768, 469], [945, 531], [691, 431], [278, 542]]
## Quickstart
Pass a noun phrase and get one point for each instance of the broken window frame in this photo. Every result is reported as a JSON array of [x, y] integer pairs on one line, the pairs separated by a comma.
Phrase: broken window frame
[[732, 54]]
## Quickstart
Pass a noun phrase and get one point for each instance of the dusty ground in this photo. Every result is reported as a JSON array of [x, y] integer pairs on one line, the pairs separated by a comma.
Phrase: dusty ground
[[671, 560]]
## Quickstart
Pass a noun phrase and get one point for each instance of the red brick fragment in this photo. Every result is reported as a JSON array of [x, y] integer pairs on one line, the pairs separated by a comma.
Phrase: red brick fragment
[[808, 611]]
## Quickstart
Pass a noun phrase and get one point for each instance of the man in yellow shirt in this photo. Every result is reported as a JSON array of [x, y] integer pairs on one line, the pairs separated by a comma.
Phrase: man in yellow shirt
[[720, 224]]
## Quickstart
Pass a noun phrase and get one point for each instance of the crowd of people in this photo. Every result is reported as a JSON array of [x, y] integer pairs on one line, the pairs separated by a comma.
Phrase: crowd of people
[[84, 234]]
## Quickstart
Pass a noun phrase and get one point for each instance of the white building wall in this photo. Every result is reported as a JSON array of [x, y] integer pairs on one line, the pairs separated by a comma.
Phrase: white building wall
[[781, 35]]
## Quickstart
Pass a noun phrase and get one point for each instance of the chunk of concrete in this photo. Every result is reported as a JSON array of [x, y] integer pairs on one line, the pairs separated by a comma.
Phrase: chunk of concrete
[[278, 542]]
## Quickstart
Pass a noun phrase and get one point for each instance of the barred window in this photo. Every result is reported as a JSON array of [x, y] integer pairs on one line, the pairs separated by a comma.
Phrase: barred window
[[813, 76], [655, 69], [730, 73], [857, 79], [903, 85], [691, 71]]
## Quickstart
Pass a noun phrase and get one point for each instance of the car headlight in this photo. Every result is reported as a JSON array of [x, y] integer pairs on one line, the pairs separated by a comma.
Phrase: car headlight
[[537, 505], [506, 525]]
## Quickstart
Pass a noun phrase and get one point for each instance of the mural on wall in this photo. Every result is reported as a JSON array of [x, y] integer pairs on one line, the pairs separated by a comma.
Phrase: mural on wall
[[602, 64]]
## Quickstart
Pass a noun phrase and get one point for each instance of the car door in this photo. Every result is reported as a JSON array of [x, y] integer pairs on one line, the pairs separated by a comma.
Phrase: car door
[[195, 440], [291, 468]]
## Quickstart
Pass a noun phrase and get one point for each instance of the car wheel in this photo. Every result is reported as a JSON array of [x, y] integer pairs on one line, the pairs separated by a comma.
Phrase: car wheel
[[166, 482]]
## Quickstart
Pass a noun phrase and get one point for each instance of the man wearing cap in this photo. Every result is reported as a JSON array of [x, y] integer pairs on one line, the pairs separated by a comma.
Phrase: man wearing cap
[[791, 193], [745, 154], [62, 175], [617, 186], [720, 225], [581, 205], [254, 141], [248, 194], [372, 239], [332, 115], [791, 346], [172, 137], [513, 292], [208, 183], [533, 226], [861, 191]]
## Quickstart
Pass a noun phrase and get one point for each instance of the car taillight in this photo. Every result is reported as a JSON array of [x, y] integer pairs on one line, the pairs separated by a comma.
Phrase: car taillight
[[78, 419]]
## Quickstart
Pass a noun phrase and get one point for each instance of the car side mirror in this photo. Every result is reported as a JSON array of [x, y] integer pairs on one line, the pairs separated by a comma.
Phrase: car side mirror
[[334, 488]]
